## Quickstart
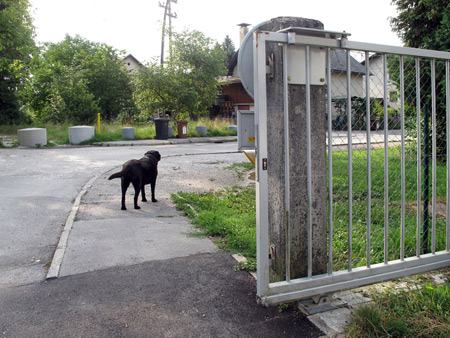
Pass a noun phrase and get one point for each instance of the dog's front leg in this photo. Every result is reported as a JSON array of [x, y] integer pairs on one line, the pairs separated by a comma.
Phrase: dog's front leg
[[152, 184], [143, 193]]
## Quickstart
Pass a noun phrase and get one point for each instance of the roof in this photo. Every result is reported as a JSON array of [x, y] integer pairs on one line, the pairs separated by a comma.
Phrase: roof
[[338, 63], [373, 56], [133, 58]]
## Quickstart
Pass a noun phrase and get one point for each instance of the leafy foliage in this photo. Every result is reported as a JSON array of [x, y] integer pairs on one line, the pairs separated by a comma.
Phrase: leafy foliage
[[424, 24], [75, 79], [188, 81], [16, 47]]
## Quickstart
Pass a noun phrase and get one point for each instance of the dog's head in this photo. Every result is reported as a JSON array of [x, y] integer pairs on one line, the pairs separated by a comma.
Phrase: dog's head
[[153, 154]]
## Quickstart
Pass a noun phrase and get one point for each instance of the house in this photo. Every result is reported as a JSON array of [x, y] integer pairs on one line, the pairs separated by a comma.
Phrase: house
[[234, 97], [131, 63], [377, 82]]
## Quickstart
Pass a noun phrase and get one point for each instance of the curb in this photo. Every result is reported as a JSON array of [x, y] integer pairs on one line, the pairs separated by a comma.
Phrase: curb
[[58, 256], [154, 142]]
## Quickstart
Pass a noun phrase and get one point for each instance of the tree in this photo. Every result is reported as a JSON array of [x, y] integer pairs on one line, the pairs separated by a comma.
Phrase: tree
[[187, 83], [16, 47], [100, 82], [424, 24], [228, 47]]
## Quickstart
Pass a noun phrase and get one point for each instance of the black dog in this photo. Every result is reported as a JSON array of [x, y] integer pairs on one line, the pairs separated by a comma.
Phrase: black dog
[[139, 172]]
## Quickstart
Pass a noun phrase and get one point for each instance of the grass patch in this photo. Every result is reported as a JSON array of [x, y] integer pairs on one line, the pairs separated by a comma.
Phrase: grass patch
[[112, 131], [216, 127], [359, 212], [416, 311], [227, 215]]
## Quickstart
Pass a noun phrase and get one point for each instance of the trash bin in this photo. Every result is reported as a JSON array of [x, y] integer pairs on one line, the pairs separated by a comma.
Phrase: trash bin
[[162, 129], [182, 129], [201, 130]]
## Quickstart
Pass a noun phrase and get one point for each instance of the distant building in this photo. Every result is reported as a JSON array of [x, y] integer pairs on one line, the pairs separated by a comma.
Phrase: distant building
[[131, 63], [377, 82], [234, 97]]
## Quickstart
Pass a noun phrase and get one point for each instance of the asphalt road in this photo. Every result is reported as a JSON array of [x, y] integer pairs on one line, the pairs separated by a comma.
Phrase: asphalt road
[[193, 294], [38, 188]]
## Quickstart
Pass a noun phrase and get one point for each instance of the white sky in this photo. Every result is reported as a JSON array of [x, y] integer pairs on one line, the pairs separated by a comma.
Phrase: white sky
[[135, 25]]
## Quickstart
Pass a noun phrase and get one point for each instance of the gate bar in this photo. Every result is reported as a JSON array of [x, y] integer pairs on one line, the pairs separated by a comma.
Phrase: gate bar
[[419, 160], [434, 154], [386, 162], [262, 203], [447, 90], [323, 284], [330, 164], [369, 165], [350, 164], [287, 183], [403, 178], [308, 156]]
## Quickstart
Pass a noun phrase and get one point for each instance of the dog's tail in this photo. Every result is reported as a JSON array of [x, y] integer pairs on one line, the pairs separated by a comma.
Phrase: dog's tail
[[116, 175]]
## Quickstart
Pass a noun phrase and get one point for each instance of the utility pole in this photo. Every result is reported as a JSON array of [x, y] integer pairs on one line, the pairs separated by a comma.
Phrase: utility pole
[[167, 13]]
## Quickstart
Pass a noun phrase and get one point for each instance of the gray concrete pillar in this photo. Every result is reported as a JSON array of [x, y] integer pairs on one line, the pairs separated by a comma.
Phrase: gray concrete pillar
[[298, 176]]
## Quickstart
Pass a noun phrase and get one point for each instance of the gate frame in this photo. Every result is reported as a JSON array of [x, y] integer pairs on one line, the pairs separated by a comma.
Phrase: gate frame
[[311, 286]]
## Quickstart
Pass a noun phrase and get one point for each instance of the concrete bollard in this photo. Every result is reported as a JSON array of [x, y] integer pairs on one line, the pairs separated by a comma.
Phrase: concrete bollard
[[78, 134], [201, 130], [128, 133], [32, 137]]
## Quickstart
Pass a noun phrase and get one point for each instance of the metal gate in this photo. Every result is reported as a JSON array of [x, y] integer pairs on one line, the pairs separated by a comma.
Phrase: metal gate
[[387, 145]]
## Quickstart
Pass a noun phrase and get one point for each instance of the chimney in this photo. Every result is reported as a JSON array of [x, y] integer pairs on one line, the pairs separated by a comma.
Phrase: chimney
[[243, 30]]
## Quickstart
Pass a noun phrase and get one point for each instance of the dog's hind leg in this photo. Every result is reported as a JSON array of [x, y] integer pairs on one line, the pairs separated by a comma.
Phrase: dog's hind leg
[[125, 183], [143, 192], [137, 188]]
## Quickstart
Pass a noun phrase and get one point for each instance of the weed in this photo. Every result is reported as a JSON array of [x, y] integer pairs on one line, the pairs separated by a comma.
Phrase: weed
[[241, 167], [249, 265], [410, 312], [286, 306]]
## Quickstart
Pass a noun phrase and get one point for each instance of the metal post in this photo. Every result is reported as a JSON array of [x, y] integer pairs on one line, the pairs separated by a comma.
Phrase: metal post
[[330, 165], [287, 182], [419, 159], [403, 174], [426, 178], [369, 165], [308, 157], [386, 163], [447, 99], [434, 155], [350, 163]]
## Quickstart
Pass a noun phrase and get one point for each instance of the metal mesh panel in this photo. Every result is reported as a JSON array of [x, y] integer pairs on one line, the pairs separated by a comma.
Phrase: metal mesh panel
[[405, 228]]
